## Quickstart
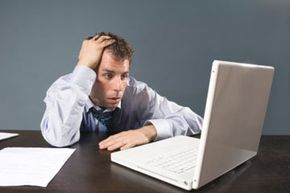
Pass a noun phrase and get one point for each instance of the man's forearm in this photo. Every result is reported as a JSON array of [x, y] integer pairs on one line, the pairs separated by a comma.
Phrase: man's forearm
[[65, 103], [61, 120]]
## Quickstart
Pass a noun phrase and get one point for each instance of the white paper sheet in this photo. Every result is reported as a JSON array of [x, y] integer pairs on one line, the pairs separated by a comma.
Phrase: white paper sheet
[[31, 166], [5, 135]]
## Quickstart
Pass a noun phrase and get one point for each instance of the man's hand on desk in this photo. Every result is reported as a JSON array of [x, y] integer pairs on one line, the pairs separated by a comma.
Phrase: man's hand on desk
[[128, 139]]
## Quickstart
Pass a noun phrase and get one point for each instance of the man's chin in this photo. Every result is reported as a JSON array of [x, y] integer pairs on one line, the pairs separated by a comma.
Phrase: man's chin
[[112, 105]]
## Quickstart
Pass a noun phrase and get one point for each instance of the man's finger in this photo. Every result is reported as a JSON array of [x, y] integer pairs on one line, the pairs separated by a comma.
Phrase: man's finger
[[103, 142], [109, 141], [127, 146], [101, 38], [96, 37], [116, 145], [107, 42]]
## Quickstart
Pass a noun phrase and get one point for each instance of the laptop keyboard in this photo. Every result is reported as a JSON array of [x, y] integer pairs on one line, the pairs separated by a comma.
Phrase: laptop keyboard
[[177, 162]]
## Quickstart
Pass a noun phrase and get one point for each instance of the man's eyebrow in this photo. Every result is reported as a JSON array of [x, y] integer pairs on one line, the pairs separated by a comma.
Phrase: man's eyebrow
[[107, 70], [113, 72]]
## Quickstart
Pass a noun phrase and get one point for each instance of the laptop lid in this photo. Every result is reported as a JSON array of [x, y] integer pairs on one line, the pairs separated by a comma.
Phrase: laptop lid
[[233, 120]]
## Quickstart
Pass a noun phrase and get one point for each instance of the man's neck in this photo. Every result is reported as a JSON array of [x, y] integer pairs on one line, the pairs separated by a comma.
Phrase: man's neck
[[95, 101]]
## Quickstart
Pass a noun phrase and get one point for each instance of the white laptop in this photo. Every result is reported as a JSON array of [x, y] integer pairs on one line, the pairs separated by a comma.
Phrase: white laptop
[[233, 120]]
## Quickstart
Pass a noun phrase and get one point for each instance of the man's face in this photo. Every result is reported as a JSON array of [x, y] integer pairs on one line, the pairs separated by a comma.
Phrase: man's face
[[111, 81]]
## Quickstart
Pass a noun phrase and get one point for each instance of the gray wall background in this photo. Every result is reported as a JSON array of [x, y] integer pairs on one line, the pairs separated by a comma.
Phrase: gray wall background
[[175, 42]]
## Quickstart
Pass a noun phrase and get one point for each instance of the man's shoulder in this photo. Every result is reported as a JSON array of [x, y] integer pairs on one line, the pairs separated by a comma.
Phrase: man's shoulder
[[136, 85], [137, 94]]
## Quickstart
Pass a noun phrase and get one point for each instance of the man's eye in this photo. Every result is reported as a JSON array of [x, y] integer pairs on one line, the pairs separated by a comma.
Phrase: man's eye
[[108, 76], [124, 76]]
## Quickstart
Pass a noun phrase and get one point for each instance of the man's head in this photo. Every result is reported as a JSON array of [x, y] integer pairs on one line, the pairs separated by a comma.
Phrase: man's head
[[112, 73]]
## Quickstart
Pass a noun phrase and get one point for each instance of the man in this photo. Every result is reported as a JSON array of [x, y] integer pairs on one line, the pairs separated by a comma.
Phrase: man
[[100, 96]]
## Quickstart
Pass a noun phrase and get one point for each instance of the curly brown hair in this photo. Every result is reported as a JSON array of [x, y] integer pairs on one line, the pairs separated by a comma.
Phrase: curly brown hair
[[120, 48]]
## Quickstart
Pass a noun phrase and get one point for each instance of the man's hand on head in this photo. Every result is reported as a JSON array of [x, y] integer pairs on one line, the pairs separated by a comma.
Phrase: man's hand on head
[[92, 50], [128, 139]]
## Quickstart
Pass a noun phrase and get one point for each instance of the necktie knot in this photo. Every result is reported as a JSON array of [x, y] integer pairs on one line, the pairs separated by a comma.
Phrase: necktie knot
[[105, 117]]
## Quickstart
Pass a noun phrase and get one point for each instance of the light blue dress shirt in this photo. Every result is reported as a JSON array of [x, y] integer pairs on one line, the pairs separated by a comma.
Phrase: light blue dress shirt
[[67, 106]]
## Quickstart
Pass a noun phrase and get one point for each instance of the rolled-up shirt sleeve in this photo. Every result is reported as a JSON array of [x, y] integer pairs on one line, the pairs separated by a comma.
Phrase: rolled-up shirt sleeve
[[65, 101]]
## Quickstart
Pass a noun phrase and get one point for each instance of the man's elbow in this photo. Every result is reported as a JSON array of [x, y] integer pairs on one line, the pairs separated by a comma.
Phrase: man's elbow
[[57, 137]]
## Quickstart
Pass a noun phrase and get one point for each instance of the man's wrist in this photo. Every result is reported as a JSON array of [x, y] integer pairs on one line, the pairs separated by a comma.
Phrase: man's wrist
[[149, 132], [87, 64]]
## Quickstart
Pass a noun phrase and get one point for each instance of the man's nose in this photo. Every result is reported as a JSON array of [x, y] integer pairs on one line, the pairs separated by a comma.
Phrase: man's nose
[[118, 84]]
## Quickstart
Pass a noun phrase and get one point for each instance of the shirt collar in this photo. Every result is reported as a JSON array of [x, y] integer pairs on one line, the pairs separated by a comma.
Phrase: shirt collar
[[89, 104]]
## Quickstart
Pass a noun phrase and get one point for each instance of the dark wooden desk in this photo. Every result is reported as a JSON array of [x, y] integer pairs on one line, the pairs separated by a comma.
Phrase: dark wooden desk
[[89, 170]]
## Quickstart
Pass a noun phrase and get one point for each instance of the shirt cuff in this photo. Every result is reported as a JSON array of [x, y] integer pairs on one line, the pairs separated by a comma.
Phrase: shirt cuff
[[84, 77], [162, 126]]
